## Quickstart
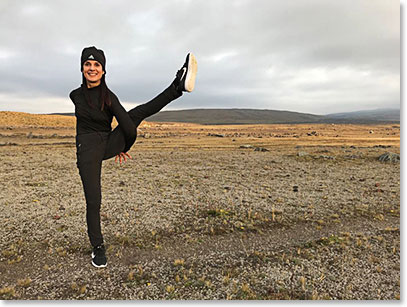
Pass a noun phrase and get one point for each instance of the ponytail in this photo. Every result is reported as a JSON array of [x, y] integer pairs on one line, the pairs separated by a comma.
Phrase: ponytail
[[104, 93]]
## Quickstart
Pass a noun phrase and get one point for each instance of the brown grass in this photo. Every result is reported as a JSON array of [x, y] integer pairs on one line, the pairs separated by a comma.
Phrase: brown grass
[[196, 216]]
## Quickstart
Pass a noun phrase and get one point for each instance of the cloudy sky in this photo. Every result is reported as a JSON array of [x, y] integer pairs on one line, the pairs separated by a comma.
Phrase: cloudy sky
[[313, 56]]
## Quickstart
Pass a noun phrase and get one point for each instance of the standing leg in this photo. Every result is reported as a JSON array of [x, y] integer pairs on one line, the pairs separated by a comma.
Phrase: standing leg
[[116, 141], [90, 149]]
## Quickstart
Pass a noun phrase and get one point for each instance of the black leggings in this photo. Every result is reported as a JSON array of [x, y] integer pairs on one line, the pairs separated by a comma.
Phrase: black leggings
[[93, 148]]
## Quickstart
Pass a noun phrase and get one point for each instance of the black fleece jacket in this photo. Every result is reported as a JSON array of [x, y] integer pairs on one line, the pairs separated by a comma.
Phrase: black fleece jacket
[[93, 119]]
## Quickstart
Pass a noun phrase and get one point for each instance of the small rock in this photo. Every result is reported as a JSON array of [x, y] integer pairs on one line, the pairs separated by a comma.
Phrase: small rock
[[302, 154], [122, 183], [8, 144], [261, 149], [381, 146], [246, 146], [295, 188], [389, 157], [352, 157], [327, 157], [216, 134]]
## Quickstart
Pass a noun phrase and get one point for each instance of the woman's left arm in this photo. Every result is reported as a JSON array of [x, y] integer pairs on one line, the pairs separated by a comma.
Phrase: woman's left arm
[[125, 123]]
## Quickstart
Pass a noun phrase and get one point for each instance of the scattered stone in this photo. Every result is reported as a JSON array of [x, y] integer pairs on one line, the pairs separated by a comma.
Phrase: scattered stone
[[327, 157], [381, 146], [8, 144], [312, 133], [371, 131], [261, 149], [216, 135], [122, 183], [352, 157], [246, 146], [389, 157], [302, 154], [295, 188]]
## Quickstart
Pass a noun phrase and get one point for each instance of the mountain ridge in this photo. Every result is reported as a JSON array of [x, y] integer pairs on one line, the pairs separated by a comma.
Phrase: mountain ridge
[[237, 116]]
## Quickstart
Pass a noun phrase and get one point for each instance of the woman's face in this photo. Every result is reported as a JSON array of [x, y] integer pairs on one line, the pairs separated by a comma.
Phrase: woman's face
[[93, 72]]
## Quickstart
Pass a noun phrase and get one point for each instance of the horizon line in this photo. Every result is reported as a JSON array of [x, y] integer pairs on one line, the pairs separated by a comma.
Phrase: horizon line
[[233, 108]]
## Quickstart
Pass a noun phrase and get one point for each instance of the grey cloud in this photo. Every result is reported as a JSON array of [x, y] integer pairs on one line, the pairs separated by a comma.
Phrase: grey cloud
[[250, 53]]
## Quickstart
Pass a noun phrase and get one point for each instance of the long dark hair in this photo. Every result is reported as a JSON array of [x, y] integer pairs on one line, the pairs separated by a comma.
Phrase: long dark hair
[[104, 93]]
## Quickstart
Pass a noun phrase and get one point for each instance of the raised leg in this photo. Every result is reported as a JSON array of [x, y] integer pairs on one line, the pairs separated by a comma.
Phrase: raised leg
[[116, 141], [141, 112]]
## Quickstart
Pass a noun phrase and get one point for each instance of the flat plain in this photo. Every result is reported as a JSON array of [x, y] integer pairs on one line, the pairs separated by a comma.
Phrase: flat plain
[[204, 212]]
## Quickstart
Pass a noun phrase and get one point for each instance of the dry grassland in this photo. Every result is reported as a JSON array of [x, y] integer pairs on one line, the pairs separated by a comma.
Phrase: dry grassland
[[204, 212]]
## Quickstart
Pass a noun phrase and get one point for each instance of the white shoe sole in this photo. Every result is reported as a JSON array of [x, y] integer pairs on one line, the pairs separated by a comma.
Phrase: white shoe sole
[[191, 74], [95, 265], [99, 266]]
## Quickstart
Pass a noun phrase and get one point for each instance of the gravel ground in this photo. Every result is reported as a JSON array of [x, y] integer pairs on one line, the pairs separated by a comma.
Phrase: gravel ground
[[204, 224]]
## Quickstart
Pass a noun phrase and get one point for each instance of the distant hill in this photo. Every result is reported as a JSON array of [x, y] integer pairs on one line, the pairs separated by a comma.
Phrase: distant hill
[[256, 116], [377, 115], [234, 116]]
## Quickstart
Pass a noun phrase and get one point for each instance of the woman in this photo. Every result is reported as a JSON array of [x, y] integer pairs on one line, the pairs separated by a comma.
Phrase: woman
[[95, 106]]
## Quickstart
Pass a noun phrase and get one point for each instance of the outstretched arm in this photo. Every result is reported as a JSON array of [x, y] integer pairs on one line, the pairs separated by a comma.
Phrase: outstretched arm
[[125, 123]]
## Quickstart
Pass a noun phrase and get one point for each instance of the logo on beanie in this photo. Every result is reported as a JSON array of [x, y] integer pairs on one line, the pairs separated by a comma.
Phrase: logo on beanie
[[91, 57]]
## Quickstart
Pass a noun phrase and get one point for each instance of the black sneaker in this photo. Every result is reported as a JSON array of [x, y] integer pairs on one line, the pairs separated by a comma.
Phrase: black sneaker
[[185, 77], [99, 259]]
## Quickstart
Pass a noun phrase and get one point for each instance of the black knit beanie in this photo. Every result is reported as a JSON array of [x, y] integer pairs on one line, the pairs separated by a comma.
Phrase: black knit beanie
[[92, 53]]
